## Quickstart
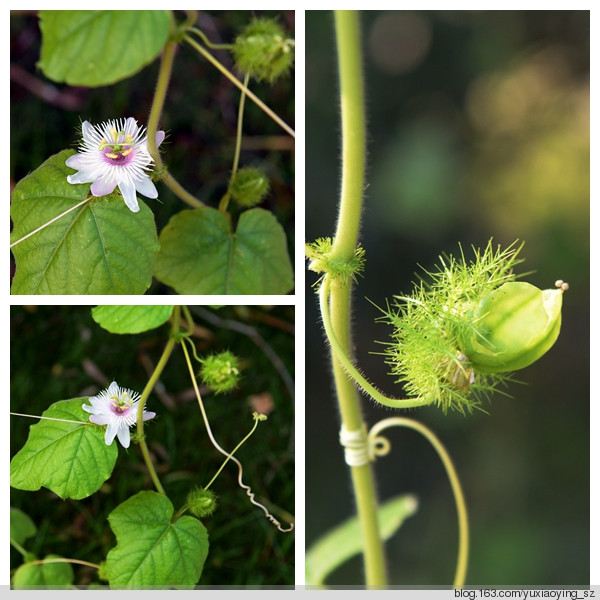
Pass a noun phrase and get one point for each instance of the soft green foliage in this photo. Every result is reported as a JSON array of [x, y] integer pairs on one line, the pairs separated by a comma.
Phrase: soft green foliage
[[249, 187], [200, 254], [99, 248], [131, 319], [49, 574], [220, 371], [263, 51], [201, 502], [152, 548], [514, 326], [426, 353], [345, 541], [71, 459], [21, 526], [100, 47]]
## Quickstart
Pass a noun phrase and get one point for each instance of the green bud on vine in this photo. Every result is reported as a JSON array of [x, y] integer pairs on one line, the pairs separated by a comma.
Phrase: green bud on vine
[[249, 187], [323, 261], [201, 502], [460, 333], [514, 325], [220, 371], [263, 51]]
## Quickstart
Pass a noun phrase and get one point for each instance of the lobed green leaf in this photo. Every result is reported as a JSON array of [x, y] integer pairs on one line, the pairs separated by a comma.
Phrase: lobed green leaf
[[100, 47], [44, 575], [131, 319], [71, 459], [21, 526], [152, 549], [99, 248], [200, 254]]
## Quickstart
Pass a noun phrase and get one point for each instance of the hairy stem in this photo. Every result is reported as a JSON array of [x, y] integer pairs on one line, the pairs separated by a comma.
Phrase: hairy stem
[[351, 370], [345, 241]]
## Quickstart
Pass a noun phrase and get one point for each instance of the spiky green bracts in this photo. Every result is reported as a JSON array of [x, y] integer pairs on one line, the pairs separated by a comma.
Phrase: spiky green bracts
[[463, 330]]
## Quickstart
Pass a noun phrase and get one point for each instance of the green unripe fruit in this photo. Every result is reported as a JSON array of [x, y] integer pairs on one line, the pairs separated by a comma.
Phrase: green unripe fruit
[[201, 502], [263, 51], [512, 327], [249, 187]]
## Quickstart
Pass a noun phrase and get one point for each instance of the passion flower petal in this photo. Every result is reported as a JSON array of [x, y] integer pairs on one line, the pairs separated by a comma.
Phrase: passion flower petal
[[114, 154]]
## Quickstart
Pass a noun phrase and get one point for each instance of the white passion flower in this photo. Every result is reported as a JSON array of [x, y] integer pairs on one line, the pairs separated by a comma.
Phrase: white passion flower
[[114, 154], [115, 407]]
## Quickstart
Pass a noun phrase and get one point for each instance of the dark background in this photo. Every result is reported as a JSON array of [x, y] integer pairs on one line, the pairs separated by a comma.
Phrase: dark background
[[478, 127], [199, 116], [59, 352]]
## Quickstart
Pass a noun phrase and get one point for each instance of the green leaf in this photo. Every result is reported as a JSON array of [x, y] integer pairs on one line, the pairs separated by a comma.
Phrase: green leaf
[[71, 459], [343, 542], [44, 575], [152, 549], [131, 319], [100, 47], [99, 248], [21, 526], [200, 254]]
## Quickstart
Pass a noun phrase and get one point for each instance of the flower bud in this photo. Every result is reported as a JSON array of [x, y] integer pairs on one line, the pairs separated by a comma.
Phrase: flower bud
[[263, 51], [220, 371], [201, 502], [512, 327]]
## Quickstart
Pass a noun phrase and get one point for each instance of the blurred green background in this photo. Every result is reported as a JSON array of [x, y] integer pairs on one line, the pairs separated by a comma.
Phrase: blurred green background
[[478, 127], [59, 352], [200, 117]]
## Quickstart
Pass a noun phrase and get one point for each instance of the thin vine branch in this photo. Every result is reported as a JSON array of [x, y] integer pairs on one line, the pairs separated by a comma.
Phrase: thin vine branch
[[345, 242], [461, 507], [144, 397], [239, 84], [368, 388], [160, 93]]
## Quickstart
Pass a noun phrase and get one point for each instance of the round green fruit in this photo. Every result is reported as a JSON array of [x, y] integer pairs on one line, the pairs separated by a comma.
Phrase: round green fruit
[[512, 327]]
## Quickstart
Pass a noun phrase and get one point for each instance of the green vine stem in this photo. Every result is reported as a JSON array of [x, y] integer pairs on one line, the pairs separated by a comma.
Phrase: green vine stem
[[198, 47], [238, 147], [46, 561], [18, 547], [160, 93], [246, 437], [207, 42], [149, 386], [341, 356], [229, 455], [382, 446], [344, 245]]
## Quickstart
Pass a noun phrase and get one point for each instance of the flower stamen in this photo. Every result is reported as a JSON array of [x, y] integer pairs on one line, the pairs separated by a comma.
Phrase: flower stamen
[[116, 407], [115, 154]]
